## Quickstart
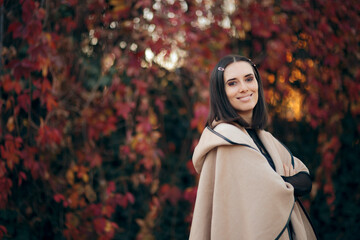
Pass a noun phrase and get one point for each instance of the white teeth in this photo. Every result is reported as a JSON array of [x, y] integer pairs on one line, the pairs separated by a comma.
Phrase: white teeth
[[245, 98]]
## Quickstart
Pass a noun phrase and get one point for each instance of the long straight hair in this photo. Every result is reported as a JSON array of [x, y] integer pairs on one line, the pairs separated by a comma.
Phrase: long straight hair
[[220, 107]]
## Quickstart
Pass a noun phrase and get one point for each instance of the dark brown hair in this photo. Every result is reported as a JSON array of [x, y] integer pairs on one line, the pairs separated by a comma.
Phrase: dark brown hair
[[220, 107]]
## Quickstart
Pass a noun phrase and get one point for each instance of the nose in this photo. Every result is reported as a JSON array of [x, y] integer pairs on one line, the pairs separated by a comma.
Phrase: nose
[[242, 87]]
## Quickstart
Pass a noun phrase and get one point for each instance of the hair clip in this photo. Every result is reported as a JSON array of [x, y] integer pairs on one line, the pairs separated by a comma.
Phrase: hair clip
[[221, 69], [251, 62]]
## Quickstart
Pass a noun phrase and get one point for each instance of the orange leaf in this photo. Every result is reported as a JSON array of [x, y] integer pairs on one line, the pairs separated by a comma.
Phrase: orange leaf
[[90, 193], [108, 211], [70, 177], [7, 84], [74, 200], [10, 125], [50, 102]]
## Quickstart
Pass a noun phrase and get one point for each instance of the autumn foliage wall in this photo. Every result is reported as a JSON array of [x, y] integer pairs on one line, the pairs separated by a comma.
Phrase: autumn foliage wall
[[102, 102]]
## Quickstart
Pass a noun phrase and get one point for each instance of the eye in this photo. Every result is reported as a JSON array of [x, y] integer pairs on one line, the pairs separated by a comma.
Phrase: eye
[[231, 83], [249, 79]]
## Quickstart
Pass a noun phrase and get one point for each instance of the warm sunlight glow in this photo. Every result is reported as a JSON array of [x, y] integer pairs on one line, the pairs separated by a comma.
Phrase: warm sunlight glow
[[169, 61], [293, 104], [288, 107]]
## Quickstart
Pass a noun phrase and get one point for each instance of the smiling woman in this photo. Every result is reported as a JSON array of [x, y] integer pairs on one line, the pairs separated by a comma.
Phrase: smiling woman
[[249, 182], [241, 88], [232, 79]]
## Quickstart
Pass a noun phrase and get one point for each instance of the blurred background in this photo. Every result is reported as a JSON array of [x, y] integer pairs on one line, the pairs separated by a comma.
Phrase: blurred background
[[103, 101]]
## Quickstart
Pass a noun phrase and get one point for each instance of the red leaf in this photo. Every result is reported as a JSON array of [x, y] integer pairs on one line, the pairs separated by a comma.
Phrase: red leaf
[[328, 188], [99, 225], [94, 210], [69, 23], [59, 197], [3, 230], [5, 186], [121, 200], [110, 125], [17, 87], [28, 7], [190, 195], [144, 124], [160, 104], [328, 159], [332, 60], [111, 188], [123, 109], [130, 197], [22, 176], [140, 85], [10, 152], [22, 68], [48, 136], [95, 160], [24, 101], [32, 31], [200, 116], [134, 64], [45, 85], [147, 162], [157, 46], [171, 193], [190, 167], [16, 28], [28, 155], [71, 2], [40, 49], [3, 170], [107, 211], [125, 150]]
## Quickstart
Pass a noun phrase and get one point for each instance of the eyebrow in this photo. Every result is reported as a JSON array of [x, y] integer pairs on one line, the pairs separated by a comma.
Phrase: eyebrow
[[247, 75]]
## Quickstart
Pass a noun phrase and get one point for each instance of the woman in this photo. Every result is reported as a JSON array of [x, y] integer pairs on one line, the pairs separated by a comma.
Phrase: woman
[[249, 182]]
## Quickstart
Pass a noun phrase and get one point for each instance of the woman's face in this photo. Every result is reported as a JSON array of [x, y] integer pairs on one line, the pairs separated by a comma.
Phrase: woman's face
[[241, 88]]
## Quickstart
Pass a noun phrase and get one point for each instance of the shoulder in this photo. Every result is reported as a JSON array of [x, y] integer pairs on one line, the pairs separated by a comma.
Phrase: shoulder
[[230, 131], [233, 134], [225, 127]]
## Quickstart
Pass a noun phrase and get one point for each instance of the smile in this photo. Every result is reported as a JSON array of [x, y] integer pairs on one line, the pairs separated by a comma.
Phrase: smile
[[245, 98]]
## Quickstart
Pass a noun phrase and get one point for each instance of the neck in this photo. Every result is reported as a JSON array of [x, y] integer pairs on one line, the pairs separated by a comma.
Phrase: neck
[[247, 117]]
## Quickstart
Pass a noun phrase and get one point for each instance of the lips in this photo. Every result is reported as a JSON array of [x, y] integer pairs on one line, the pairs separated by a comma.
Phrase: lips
[[245, 98]]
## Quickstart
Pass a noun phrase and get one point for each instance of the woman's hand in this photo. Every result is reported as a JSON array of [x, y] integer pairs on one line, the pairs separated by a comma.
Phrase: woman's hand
[[288, 170]]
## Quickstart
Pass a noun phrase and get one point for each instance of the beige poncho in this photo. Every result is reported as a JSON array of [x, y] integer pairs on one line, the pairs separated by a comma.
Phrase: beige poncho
[[239, 195]]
